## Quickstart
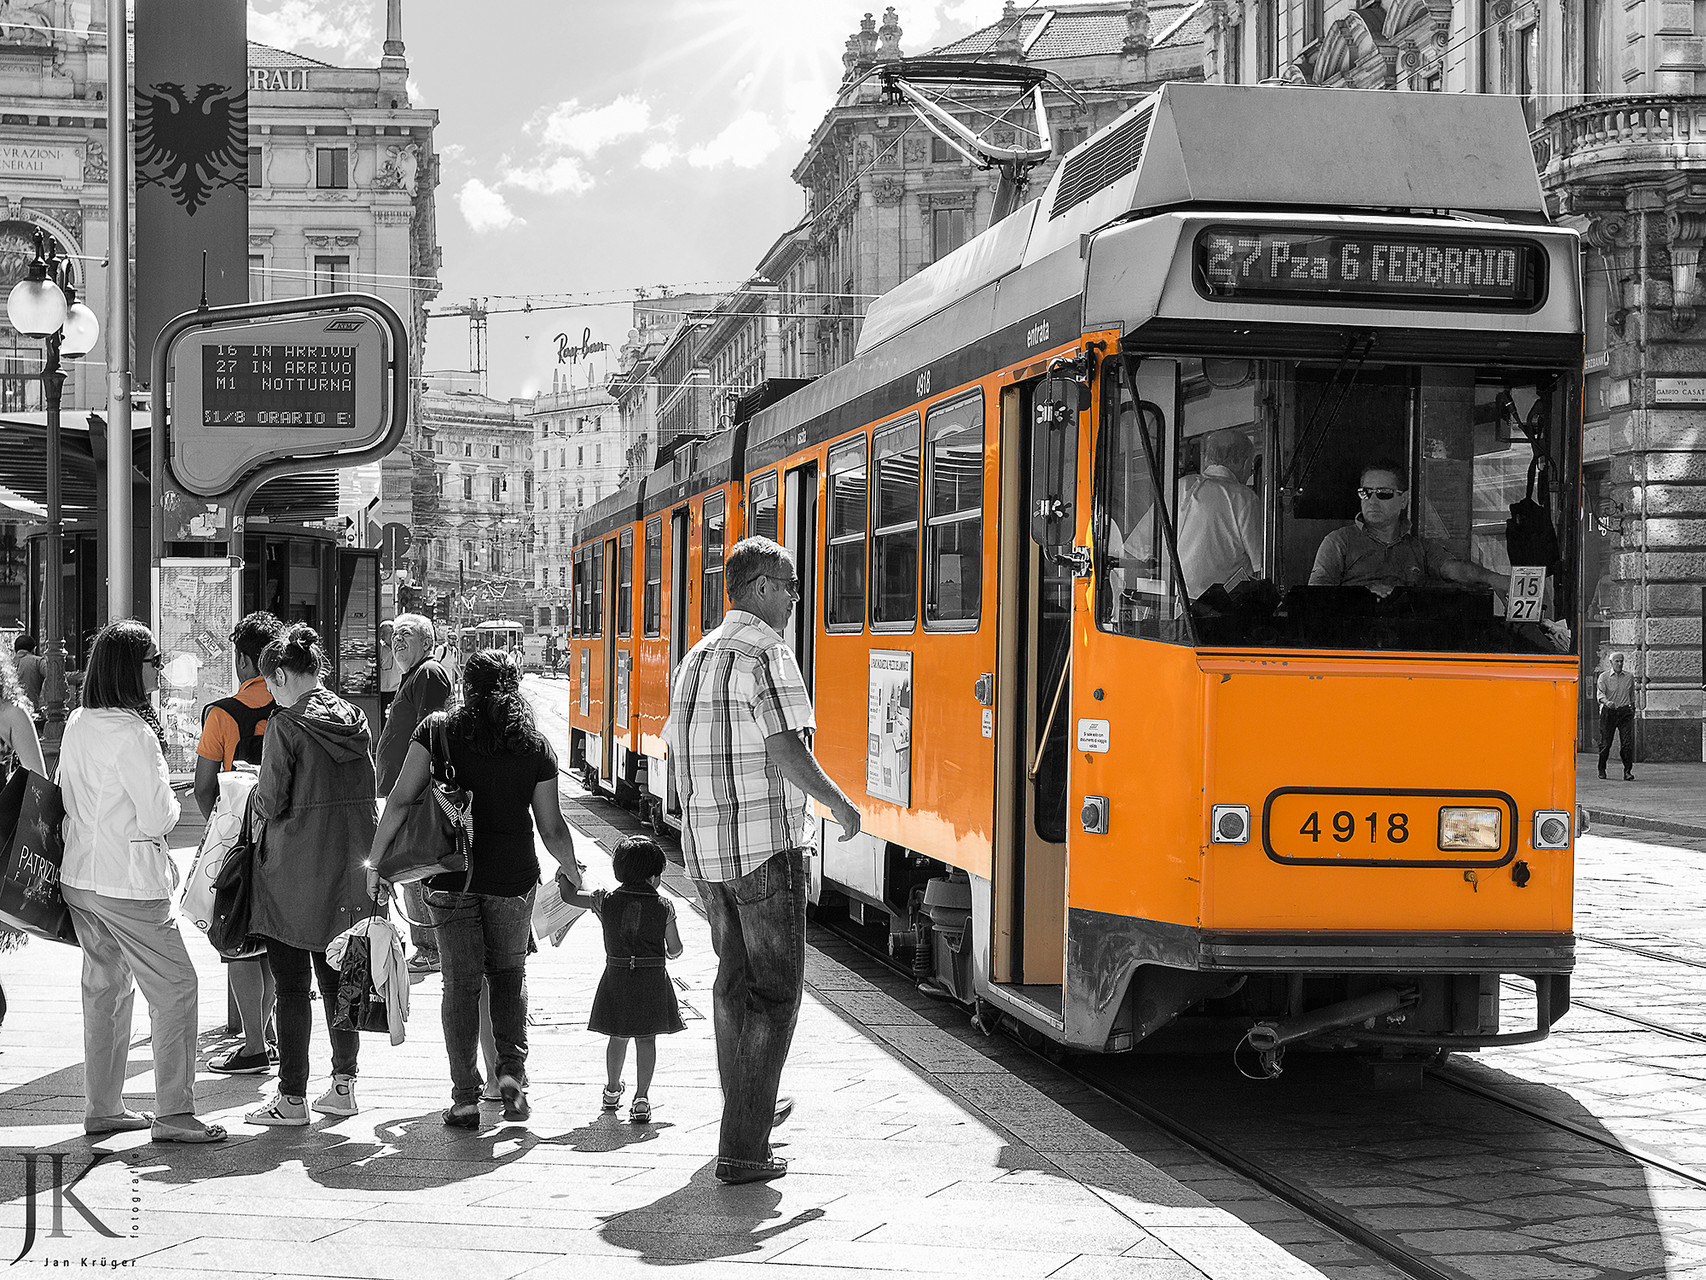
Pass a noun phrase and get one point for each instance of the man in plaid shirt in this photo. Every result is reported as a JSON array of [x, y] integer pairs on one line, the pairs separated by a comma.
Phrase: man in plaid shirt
[[743, 771]]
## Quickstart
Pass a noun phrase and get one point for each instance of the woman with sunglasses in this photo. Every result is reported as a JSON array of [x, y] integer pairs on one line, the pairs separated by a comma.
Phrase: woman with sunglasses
[[118, 880]]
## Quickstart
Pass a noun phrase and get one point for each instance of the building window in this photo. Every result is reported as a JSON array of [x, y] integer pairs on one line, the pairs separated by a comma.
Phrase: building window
[[894, 551], [257, 278], [1232, 54], [942, 153], [467, 451], [580, 457], [1596, 44], [497, 451], [468, 486], [1311, 21], [497, 489], [331, 167], [947, 231], [1492, 31], [598, 455], [711, 564], [625, 584], [849, 495], [1267, 38], [1528, 72], [438, 483], [654, 577], [763, 505], [527, 490], [331, 273], [953, 543], [254, 167]]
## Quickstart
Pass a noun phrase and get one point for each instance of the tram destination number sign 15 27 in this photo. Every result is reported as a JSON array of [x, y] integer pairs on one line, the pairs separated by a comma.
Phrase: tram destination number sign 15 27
[[1370, 268], [299, 386]]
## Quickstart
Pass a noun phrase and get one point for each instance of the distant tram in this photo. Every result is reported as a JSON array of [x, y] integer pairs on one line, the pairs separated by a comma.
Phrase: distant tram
[[1109, 782], [497, 634]]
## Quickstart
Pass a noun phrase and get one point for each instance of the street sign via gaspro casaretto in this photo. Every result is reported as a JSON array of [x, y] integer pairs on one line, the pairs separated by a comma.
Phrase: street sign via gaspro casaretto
[[277, 388]]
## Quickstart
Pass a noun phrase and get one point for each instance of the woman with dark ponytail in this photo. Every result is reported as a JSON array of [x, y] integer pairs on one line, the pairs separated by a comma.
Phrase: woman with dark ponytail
[[118, 879], [316, 809], [504, 762]]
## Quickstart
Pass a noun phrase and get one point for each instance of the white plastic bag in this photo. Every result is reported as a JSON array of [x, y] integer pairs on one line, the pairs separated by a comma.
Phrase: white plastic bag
[[217, 840]]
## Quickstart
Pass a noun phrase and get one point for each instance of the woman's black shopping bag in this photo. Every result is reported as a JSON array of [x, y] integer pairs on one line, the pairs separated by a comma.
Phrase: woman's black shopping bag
[[359, 1006], [31, 820]]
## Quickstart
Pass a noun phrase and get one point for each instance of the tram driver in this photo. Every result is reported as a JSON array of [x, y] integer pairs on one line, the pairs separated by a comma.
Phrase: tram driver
[[1381, 552]]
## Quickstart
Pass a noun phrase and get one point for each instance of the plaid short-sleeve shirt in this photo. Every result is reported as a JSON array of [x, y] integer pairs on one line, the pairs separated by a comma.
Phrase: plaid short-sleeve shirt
[[735, 688]]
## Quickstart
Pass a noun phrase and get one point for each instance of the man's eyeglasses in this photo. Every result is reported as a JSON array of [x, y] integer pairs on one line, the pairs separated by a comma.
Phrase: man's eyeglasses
[[792, 584], [155, 660], [1385, 495]]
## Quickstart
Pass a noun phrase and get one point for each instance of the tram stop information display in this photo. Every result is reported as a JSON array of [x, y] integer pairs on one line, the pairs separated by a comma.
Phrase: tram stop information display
[[247, 393]]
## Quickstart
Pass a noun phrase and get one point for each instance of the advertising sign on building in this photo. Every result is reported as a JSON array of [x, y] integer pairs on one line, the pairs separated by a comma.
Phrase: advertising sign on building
[[192, 159]]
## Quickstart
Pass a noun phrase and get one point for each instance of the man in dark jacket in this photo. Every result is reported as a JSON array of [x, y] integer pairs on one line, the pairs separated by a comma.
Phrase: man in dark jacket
[[425, 688]]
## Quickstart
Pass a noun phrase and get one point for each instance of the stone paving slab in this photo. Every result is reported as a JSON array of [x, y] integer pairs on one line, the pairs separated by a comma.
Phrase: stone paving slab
[[913, 1154]]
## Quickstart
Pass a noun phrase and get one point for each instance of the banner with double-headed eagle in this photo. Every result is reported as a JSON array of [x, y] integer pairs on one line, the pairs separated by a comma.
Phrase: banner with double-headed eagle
[[192, 160]]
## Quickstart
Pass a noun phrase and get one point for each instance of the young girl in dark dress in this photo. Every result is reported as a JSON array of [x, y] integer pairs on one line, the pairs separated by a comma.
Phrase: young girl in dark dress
[[635, 999]]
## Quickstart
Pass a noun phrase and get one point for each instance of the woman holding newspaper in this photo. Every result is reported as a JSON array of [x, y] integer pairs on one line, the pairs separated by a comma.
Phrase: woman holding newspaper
[[484, 921]]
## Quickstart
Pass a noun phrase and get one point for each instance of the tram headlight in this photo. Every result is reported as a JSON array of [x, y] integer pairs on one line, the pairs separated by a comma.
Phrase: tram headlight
[[1551, 829], [1471, 828], [1229, 824]]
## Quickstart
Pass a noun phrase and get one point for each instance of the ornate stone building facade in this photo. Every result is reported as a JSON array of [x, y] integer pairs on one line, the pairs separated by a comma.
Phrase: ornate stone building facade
[[579, 455], [1615, 97]]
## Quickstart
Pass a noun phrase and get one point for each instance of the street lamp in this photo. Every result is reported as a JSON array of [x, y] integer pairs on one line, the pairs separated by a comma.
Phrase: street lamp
[[44, 305]]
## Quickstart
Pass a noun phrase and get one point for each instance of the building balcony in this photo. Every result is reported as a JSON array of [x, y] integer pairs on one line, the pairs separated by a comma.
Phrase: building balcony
[[1631, 139]]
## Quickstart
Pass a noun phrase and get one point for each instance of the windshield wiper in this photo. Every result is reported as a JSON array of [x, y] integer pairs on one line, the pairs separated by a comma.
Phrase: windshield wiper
[[1311, 439]]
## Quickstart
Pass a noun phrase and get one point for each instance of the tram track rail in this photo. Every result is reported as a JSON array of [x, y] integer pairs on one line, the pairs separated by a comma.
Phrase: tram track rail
[[1651, 954]]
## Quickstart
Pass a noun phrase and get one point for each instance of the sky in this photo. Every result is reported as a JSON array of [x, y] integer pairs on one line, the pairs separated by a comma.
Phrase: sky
[[592, 148]]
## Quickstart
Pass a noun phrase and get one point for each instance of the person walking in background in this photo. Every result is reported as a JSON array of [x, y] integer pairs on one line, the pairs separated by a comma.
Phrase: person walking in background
[[737, 710], [635, 998], [32, 675], [233, 730], [20, 716], [424, 687], [389, 676], [1617, 715], [118, 879], [316, 810], [508, 768]]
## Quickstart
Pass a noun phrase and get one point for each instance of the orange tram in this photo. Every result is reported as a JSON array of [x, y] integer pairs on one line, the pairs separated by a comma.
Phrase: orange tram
[[1115, 775]]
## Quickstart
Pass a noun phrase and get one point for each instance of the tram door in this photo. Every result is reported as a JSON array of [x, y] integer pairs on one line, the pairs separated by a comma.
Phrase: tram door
[[799, 535], [607, 721], [1032, 674], [678, 614]]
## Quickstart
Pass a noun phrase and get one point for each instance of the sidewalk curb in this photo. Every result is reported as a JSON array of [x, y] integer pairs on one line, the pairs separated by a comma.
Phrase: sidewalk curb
[[1643, 823]]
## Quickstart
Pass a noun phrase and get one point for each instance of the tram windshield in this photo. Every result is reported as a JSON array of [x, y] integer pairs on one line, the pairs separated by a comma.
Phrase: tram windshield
[[1340, 505]]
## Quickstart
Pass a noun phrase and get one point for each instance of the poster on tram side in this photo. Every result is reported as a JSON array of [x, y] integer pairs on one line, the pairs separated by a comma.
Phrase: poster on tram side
[[888, 751], [197, 607]]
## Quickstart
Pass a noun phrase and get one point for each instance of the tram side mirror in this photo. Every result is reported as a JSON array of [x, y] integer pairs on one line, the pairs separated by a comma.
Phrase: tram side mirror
[[1054, 460]]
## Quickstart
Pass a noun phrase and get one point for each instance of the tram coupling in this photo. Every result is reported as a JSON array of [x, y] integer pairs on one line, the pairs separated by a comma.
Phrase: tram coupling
[[1269, 1039]]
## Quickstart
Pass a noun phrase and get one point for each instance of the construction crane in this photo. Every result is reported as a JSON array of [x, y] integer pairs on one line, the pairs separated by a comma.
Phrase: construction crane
[[476, 311]]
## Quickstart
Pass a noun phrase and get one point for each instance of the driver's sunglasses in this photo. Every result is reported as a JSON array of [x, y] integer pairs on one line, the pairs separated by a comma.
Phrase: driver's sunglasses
[[155, 660], [1385, 495]]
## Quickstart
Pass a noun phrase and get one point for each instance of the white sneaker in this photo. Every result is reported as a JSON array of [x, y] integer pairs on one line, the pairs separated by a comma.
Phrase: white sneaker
[[279, 1112], [339, 1100]]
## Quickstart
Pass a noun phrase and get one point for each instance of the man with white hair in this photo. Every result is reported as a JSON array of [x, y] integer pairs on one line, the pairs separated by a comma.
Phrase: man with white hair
[[424, 688], [1616, 689], [1220, 516]]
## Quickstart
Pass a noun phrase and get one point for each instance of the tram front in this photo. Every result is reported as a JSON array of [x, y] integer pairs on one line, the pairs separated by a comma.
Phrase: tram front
[[1325, 637]]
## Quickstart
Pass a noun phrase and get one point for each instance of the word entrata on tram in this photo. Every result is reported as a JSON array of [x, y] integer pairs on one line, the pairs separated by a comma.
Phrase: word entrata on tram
[[1155, 548]]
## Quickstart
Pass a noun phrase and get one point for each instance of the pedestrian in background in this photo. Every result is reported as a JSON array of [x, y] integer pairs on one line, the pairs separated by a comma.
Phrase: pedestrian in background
[[508, 768], [1617, 715], [233, 729], [738, 710], [316, 810], [635, 998], [32, 675], [423, 689], [20, 717], [389, 676], [118, 879]]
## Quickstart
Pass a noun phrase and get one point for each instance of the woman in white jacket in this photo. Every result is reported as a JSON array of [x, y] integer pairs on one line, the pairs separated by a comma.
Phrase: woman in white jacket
[[118, 881]]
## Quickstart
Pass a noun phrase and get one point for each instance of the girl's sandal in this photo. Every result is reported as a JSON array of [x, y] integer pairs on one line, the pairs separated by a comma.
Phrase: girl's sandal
[[640, 1112], [464, 1115], [613, 1098]]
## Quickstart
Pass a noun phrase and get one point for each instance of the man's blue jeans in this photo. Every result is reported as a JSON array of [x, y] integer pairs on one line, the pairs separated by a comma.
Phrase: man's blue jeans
[[758, 927], [482, 937]]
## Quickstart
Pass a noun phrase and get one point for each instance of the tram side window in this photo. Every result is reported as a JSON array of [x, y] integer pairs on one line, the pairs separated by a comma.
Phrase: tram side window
[[580, 592], [894, 554], [597, 592], [625, 584], [953, 543], [763, 504], [1133, 597], [654, 576], [849, 495], [711, 565]]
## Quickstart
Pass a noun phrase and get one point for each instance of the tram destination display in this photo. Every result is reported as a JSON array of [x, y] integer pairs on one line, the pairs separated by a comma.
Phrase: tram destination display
[[278, 385], [1369, 268]]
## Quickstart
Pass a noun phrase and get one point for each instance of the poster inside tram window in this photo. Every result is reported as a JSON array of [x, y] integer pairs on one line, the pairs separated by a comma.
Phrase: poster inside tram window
[[888, 751], [196, 608]]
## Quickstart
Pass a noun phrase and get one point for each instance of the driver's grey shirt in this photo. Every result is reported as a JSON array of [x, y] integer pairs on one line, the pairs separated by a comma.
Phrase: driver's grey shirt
[[1353, 557]]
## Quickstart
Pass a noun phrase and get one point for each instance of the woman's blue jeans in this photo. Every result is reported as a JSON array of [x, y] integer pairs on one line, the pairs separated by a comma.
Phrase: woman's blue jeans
[[482, 937]]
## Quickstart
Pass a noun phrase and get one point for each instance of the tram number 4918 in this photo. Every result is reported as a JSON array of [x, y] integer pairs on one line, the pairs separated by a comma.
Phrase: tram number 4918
[[1346, 824]]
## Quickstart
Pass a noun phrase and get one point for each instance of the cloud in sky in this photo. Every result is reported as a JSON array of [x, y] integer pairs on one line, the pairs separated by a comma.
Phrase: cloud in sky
[[485, 209], [563, 176], [344, 27], [587, 131], [746, 143], [660, 155]]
